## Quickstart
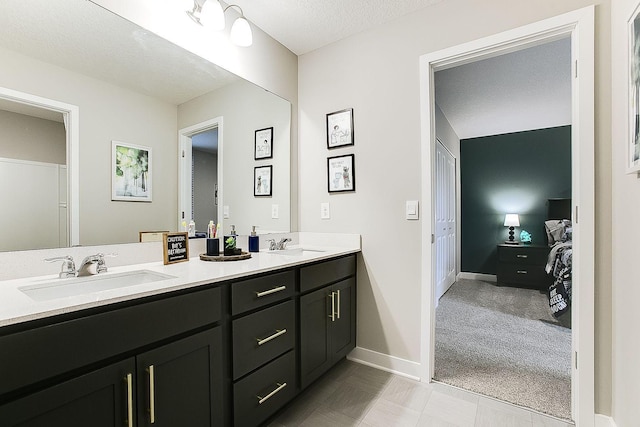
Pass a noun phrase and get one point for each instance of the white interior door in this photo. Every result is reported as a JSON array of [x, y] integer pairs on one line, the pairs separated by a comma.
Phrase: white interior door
[[445, 217]]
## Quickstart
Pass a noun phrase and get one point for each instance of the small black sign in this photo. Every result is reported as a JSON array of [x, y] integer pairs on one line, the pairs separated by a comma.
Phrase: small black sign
[[176, 247]]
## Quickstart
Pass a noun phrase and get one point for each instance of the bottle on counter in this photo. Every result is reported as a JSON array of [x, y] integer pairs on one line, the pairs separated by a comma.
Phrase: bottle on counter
[[254, 241]]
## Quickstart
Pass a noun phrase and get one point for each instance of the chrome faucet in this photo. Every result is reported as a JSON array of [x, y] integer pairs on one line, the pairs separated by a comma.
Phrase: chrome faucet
[[280, 246], [97, 260], [68, 266]]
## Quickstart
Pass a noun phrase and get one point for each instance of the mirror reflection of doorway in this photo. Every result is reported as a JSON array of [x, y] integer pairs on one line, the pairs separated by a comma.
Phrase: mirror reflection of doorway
[[204, 182]]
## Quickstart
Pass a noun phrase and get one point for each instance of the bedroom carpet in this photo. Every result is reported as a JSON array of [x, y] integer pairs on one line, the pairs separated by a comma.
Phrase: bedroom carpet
[[503, 342]]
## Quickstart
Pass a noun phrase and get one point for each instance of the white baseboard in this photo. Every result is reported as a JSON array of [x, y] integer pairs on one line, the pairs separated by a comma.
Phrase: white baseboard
[[477, 276], [604, 421], [395, 365]]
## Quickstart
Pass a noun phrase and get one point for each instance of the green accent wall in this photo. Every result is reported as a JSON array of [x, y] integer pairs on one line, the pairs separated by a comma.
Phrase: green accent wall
[[511, 173]]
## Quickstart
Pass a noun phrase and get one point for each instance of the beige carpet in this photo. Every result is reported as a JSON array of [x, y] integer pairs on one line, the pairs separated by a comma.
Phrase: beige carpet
[[503, 342]]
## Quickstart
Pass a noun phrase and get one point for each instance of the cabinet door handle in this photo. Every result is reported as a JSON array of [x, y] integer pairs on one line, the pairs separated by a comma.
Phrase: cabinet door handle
[[152, 394], [270, 337], [522, 256], [521, 271], [129, 380], [338, 304], [270, 291], [261, 399], [333, 307]]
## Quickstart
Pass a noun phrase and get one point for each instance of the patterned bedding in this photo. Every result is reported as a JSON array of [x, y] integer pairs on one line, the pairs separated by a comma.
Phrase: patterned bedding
[[559, 234]]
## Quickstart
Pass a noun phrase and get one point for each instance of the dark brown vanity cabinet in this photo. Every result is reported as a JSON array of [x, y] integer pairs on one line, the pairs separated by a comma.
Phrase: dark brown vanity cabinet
[[327, 316]]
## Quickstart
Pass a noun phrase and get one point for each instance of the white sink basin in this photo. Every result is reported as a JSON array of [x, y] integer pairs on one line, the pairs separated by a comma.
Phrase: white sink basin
[[294, 251], [62, 288]]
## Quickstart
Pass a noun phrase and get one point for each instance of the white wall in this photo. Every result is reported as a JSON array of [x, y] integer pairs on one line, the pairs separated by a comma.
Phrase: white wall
[[107, 113], [246, 108], [626, 234], [32, 138], [376, 73]]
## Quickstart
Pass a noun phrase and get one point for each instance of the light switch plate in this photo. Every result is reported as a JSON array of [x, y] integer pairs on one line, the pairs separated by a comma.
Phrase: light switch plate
[[412, 210], [325, 212], [225, 212], [275, 212]]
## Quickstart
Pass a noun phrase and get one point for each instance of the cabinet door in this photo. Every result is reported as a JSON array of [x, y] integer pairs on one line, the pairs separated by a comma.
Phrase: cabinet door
[[315, 355], [343, 326], [102, 398], [180, 384]]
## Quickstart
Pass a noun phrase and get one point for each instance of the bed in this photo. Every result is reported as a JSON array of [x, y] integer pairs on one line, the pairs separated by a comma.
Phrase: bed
[[559, 230]]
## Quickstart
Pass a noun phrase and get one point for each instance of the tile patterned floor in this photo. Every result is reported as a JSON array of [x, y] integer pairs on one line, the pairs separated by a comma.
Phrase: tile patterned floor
[[352, 394]]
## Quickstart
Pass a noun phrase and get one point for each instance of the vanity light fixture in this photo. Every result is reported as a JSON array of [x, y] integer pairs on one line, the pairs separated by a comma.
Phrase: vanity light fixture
[[511, 221], [210, 13]]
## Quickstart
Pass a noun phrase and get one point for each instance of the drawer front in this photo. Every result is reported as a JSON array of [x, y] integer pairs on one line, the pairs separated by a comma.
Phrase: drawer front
[[45, 352], [254, 293], [262, 393], [315, 276], [262, 336], [523, 274], [523, 255]]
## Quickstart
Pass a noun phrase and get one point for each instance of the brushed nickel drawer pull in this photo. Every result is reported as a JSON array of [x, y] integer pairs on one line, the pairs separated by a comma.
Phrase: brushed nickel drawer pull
[[338, 311], [521, 271], [270, 291], [522, 256], [269, 338], [261, 399], [129, 380], [152, 394]]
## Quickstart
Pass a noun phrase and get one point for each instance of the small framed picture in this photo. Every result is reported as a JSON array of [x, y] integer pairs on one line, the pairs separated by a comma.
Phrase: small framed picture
[[341, 173], [262, 180], [340, 128], [130, 172], [263, 144], [633, 147]]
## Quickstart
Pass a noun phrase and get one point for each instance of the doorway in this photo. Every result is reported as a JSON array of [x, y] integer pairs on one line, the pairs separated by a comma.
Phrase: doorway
[[200, 174], [579, 25]]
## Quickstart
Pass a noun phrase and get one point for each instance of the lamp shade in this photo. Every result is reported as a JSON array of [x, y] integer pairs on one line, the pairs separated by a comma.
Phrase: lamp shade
[[241, 33], [212, 15], [511, 220]]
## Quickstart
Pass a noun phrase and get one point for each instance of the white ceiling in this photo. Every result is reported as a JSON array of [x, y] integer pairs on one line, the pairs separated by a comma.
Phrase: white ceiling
[[524, 90], [306, 25]]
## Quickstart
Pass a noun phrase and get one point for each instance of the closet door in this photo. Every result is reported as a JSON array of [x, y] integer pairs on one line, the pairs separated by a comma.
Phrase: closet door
[[445, 220]]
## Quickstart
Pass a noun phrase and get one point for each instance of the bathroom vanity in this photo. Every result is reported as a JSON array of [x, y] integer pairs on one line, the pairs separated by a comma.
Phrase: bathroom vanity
[[218, 344]]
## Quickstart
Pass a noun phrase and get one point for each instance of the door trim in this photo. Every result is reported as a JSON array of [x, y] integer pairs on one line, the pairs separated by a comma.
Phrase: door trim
[[579, 25]]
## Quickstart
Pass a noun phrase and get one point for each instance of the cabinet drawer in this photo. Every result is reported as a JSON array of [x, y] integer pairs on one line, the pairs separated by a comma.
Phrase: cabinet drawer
[[44, 352], [523, 255], [315, 276], [262, 336], [262, 393], [253, 293], [523, 274]]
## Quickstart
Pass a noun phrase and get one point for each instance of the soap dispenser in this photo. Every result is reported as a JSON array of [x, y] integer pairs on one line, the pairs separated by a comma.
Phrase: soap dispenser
[[254, 241]]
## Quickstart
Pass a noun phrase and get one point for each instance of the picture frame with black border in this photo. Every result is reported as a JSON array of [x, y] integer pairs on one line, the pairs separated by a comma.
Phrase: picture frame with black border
[[262, 181], [341, 174], [633, 55], [263, 144], [340, 132]]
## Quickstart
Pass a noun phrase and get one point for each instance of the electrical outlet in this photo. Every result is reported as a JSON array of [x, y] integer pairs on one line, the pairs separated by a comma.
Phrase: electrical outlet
[[275, 212], [325, 212]]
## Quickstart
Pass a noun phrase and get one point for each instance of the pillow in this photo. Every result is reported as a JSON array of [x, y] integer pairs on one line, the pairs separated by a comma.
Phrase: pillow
[[558, 230]]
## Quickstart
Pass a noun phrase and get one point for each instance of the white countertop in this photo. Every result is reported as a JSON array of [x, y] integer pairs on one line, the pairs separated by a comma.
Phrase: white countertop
[[17, 307]]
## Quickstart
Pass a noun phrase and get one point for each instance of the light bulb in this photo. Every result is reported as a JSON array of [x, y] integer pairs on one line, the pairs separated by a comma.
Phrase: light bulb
[[241, 33], [212, 15]]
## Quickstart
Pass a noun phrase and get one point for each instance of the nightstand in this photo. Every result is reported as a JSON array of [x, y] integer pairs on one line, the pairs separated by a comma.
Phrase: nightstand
[[523, 265]]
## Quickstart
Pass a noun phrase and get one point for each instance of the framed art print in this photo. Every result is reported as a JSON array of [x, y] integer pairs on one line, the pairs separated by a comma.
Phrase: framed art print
[[263, 144], [341, 173], [340, 128], [633, 143], [130, 172], [262, 180]]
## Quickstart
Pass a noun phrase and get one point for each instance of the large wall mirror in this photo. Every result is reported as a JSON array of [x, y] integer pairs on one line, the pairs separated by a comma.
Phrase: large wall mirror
[[130, 86]]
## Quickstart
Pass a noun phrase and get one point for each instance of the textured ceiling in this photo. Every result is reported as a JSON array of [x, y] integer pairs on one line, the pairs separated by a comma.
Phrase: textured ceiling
[[83, 37], [306, 25], [523, 90]]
